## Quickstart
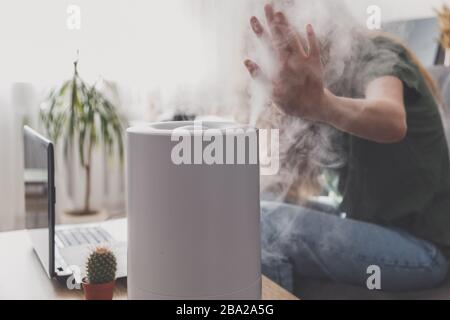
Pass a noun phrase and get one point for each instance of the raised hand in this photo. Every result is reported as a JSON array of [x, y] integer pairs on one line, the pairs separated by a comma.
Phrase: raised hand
[[297, 84]]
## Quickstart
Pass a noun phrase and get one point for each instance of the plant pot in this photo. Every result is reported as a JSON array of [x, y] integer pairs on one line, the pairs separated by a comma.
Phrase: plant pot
[[81, 212], [101, 291]]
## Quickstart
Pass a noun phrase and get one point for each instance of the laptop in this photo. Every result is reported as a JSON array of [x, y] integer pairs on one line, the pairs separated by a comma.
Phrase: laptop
[[62, 249]]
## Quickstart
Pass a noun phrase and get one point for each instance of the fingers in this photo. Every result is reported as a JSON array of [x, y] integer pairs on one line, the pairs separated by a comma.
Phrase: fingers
[[252, 68], [314, 48], [285, 39], [257, 27], [255, 71], [270, 13], [303, 42]]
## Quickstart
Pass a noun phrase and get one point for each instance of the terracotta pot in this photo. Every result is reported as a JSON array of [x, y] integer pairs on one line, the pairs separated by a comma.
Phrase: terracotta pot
[[101, 291]]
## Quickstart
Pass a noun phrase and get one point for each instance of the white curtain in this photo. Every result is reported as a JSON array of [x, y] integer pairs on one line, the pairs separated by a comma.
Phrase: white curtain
[[11, 206]]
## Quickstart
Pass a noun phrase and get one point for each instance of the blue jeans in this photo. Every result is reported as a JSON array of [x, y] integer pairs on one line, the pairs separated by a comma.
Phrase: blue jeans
[[300, 242]]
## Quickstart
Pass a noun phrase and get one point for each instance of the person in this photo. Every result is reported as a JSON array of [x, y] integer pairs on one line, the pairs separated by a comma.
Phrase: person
[[395, 212]]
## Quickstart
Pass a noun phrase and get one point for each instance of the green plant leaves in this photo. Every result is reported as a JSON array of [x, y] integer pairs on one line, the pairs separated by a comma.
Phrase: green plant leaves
[[80, 114]]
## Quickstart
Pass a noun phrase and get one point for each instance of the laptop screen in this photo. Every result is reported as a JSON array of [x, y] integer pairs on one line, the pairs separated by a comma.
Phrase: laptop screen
[[39, 195]]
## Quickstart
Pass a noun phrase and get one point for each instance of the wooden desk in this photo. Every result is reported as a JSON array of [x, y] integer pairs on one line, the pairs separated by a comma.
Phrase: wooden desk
[[22, 276]]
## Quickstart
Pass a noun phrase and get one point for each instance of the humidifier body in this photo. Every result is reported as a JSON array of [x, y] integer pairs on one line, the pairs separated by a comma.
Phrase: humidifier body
[[193, 226]]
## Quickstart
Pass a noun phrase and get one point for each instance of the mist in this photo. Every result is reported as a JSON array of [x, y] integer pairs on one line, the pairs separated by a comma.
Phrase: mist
[[224, 88], [306, 148], [349, 57]]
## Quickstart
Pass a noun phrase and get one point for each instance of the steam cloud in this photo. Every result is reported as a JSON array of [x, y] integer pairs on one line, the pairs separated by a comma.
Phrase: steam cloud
[[306, 148]]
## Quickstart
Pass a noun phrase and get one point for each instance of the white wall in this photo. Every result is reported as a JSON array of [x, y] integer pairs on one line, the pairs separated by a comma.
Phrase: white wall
[[396, 9], [38, 47]]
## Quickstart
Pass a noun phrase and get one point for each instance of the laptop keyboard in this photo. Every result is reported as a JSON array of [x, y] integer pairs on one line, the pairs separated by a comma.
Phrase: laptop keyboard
[[80, 236]]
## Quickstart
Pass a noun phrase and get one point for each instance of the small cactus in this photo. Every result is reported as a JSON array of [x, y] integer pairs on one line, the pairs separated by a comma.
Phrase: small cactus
[[101, 266]]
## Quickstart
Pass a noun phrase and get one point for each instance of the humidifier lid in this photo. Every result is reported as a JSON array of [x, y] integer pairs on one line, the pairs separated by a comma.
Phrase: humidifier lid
[[192, 127]]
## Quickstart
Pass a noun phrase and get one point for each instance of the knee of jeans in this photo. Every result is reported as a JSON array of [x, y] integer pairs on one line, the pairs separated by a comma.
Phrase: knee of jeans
[[436, 268], [439, 269]]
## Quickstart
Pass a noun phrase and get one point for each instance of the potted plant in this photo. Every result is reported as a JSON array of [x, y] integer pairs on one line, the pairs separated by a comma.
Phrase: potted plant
[[100, 277], [80, 114]]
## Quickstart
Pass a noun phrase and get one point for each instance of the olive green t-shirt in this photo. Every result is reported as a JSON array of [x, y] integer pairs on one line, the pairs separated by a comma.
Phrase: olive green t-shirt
[[407, 184]]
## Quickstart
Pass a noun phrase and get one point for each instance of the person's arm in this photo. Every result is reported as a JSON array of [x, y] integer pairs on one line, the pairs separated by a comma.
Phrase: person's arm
[[298, 86], [380, 117]]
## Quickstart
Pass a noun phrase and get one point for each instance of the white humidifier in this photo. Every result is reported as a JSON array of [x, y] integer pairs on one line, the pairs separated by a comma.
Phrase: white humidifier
[[193, 211]]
